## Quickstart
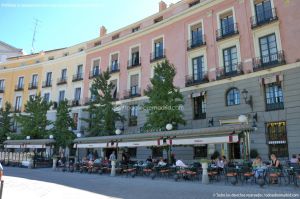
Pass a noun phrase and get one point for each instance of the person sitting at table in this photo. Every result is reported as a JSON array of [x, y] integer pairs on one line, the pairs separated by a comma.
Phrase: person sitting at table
[[275, 163], [149, 159], [105, 162], [161, 162], [258, 167], [221, 163], [294, 159], [97, 160], [179, 163]]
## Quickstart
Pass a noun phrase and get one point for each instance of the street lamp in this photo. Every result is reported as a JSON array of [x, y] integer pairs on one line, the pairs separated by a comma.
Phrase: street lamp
[[78, 135], [169, 127], [27, 137], [118, 131], [243, 119], [51, 136], [8, 138]]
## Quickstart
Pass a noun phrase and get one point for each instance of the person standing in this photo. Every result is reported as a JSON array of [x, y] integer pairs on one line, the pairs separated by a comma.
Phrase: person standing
[[112, 156], [1, 171]]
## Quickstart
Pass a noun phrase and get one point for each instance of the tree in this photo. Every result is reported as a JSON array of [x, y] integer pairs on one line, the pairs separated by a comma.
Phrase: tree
[[165, 100], [102, 109], [5, 121], [33, 121], [62, 125]]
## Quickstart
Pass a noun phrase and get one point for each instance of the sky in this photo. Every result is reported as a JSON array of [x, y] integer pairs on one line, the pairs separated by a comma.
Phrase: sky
[[63, 23]]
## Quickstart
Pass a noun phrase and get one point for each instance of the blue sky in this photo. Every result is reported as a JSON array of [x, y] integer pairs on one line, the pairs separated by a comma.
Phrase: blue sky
[[64, 23]]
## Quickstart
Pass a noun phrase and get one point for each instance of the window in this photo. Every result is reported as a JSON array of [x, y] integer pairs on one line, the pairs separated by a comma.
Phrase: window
[[230, 60], [47, 97], [21, 83], [158, 19], [136, 29], [48, 78], [31, 97], [114, 62], [81, 49], [18, 103], [198, 68], [263, 11], [77, 94], [96, 70], [2, 85], [158, 48], [66, 54], [114, 91], [51, 58], [132, 152], [133, 113], [274, 97], [34, 80], [199, 107], [64, 74], [196, 35], [61, 96], [227, 24], [98, 43], [277, 138], [0, 103], [200, 151], [135, 57], [193, 3], [134, 84], [268, 50], [79, 71], [115, 36], [157, 152], [75, 120], [233, 97]]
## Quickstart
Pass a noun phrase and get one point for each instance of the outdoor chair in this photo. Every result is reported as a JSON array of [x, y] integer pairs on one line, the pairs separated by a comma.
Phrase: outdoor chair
[[231, 173], [275, 176], [213, 174], [247, 174], [129, 170]]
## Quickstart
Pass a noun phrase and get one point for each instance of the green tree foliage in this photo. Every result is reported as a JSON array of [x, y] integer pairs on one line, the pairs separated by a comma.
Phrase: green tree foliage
[[5, 121], [63, 124], [33, 121], [102, 109], [165, 100]]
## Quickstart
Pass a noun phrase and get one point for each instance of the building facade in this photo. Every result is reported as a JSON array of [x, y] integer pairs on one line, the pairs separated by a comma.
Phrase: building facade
[[232, 57]]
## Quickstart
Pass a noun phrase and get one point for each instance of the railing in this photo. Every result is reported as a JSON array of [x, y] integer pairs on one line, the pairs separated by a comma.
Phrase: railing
[[114, 68], [32, 86], [94, 73], [115, 96], [227, 31], [134, 63], [132, 121], [47, 84], [134, 91], [200, 116], [236, 69], [274, 106], [269, 61], [19, 87], [155, 56], [191, 80], [77, 77], [267, 16], [195, 43], [62, 80], [17, 109], [75, 102], [2, 90]]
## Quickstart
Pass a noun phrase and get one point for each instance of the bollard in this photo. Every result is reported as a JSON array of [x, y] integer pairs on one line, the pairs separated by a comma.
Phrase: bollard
[[113, 168], [205, 179], [54, 164], [1, 188]]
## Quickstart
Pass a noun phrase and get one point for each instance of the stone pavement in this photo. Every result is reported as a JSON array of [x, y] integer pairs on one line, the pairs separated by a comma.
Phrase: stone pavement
[[48, 184]]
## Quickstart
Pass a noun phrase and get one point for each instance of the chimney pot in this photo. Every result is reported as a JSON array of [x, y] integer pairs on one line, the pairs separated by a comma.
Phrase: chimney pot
[[162, 6], [102, 31]]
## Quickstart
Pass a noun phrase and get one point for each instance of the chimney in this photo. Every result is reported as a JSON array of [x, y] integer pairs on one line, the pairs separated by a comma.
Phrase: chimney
[[162, 6], [102, 31]]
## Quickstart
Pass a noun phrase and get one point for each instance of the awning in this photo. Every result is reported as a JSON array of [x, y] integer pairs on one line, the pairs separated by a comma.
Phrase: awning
[[208, 140], [91, 145], [29, 144], [12, 146], [138, 143], [35, 146]]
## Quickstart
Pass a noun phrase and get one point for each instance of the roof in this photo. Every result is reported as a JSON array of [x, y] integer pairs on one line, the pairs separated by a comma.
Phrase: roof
[[185, 133], [10, 46], [36, 141]]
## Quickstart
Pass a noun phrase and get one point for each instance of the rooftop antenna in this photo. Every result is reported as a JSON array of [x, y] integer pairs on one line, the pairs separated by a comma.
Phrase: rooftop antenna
[[36, 22]]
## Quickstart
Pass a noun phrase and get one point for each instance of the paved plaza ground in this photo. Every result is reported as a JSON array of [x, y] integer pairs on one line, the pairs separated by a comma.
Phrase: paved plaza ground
[[47, 184]]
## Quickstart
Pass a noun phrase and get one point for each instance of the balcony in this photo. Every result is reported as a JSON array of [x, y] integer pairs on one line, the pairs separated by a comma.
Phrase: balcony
[[75, 102], [47, 84], [132, 63], [2, 90], [236, 70], [19, 87], [115, 96], [266, 17], [77, 77], [269, 61], [114, 68], [155, 56], [132, 121], [17, 109], [94, 74], [32, 86], [275, 106], [227, 32], [61, 81], [196, 43], [134, 91], [191, 80]]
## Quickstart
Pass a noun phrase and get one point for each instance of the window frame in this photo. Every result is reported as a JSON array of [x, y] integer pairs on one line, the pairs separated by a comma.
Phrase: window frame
[[239, 96]]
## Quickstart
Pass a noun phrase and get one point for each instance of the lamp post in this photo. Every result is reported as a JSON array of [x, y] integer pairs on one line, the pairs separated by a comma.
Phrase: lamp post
[[113, 161], [169, 127], [78, 135]]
